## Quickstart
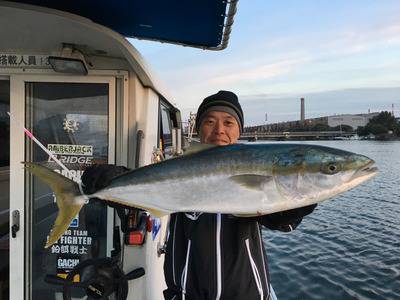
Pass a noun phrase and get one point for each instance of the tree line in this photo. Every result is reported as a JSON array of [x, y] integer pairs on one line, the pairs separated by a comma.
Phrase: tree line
[[382, 125]]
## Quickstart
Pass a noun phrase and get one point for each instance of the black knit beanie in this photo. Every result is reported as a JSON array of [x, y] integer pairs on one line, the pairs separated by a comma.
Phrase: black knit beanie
[[219, 101]]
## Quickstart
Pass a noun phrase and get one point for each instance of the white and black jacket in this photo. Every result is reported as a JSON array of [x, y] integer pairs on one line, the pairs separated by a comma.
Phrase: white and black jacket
[[218, 256]]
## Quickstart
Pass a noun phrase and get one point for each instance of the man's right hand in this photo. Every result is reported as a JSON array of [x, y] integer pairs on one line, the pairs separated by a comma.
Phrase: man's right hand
[[286, 220], [97, 177]]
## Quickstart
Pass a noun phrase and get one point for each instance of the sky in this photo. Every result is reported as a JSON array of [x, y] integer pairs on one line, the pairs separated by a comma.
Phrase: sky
[[342, 56]]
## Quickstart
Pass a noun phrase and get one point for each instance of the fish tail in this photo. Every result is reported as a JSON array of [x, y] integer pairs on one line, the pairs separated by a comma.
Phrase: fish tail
[[67, 196]]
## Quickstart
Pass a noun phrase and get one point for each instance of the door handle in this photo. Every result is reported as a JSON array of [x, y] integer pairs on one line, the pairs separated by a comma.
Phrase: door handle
[[15, 223]]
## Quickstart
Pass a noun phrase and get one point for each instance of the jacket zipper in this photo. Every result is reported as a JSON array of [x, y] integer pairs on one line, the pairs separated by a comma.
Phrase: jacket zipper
[[173, 251], [218, 249], [185, 271], [265, 269], [256, 274]]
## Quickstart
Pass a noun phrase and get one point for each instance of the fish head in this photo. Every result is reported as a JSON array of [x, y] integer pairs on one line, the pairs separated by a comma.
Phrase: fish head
[[310, 174]]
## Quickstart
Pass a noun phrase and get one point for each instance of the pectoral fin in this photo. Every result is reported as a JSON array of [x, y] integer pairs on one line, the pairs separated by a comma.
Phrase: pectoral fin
[[251, 181]]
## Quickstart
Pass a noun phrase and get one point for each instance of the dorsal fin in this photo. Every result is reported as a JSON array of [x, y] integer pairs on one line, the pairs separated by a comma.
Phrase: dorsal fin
[[195, 147]]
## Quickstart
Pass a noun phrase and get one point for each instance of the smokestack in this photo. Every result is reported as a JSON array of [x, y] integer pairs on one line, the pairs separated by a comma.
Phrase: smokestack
[[393, 109], [302, 111]]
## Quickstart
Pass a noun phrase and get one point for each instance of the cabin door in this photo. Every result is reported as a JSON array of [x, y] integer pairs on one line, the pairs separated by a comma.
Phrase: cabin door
[[4, 185], [75, 120]]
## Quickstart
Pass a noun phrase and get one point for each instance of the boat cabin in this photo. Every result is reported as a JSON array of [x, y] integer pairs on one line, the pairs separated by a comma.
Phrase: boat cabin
[[73, 85]]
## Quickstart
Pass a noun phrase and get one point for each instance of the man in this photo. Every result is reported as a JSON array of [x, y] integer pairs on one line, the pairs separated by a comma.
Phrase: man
[[213, 256], [218, 256]]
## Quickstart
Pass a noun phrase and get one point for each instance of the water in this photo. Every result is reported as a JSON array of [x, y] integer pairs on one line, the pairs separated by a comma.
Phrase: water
[[349, 247]]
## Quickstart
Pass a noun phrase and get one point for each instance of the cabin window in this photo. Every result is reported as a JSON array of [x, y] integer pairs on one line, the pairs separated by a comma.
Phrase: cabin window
[[166, 127], [72, 121], [168, 120]]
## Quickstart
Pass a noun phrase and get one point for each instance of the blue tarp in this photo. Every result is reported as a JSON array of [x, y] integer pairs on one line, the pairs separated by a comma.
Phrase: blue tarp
[[191, 22]]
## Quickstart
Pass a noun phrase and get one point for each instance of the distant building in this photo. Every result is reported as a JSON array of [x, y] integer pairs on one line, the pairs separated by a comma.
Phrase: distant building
[[351, 120], [287, 126]]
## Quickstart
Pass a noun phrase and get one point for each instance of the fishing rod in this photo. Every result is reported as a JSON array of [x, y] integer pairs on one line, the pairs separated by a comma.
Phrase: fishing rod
[[52, 156]]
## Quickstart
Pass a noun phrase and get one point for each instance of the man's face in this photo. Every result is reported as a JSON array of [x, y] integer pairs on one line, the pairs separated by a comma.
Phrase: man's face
[[219, 128]]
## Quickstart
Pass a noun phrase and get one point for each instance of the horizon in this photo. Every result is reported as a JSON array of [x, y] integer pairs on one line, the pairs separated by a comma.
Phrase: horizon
[[342, 57]]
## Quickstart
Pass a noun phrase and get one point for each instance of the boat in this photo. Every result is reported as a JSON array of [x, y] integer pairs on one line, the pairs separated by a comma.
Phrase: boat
[[74, 92]]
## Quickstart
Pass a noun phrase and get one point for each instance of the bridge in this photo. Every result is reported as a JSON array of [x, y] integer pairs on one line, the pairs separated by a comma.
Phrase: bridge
[[300, 135]]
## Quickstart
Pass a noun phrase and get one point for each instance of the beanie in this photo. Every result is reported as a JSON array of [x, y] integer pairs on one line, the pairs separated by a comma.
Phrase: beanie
[[225, 101]]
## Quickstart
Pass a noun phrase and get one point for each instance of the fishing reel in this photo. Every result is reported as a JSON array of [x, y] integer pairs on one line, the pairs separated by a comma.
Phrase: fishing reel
[[99, 278]]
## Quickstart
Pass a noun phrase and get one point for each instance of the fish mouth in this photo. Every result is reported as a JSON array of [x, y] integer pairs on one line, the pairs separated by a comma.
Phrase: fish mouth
[[368, 170]]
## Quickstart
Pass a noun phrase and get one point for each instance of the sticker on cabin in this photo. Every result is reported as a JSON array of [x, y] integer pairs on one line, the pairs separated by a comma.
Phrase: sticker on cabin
[[65, 149], [68, 249], [70, 125], [156, 227], [74, 175], [10, 60], [74, 241], [65, 159], [75, 222], [66, 263]]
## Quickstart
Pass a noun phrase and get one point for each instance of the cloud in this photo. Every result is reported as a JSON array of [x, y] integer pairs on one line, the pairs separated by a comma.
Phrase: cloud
[[292, 59], [361, 39], [287, 107], [271, 70], [258, 72]]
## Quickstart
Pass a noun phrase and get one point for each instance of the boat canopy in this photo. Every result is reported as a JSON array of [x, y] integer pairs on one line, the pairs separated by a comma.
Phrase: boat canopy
[[205, 24]]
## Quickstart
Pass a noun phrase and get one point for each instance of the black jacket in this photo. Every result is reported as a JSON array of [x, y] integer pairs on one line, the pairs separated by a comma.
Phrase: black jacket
[[218, 256]]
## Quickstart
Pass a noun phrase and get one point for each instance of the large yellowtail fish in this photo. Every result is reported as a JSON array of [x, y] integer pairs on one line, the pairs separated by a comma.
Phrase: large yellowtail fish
[[241, 179]]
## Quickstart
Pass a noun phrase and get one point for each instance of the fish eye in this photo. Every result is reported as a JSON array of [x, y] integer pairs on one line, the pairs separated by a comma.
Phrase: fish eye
[[330, 168]]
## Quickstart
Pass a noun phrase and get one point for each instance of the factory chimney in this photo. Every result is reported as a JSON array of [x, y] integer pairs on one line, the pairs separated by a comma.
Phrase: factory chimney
[[302, 111], [393, 109]]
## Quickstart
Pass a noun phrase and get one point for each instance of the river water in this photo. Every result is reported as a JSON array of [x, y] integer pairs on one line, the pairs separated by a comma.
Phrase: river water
[[349, 247]]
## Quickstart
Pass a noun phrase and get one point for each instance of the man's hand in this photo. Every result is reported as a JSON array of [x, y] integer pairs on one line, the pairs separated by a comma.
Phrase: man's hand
[[286, 220]]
